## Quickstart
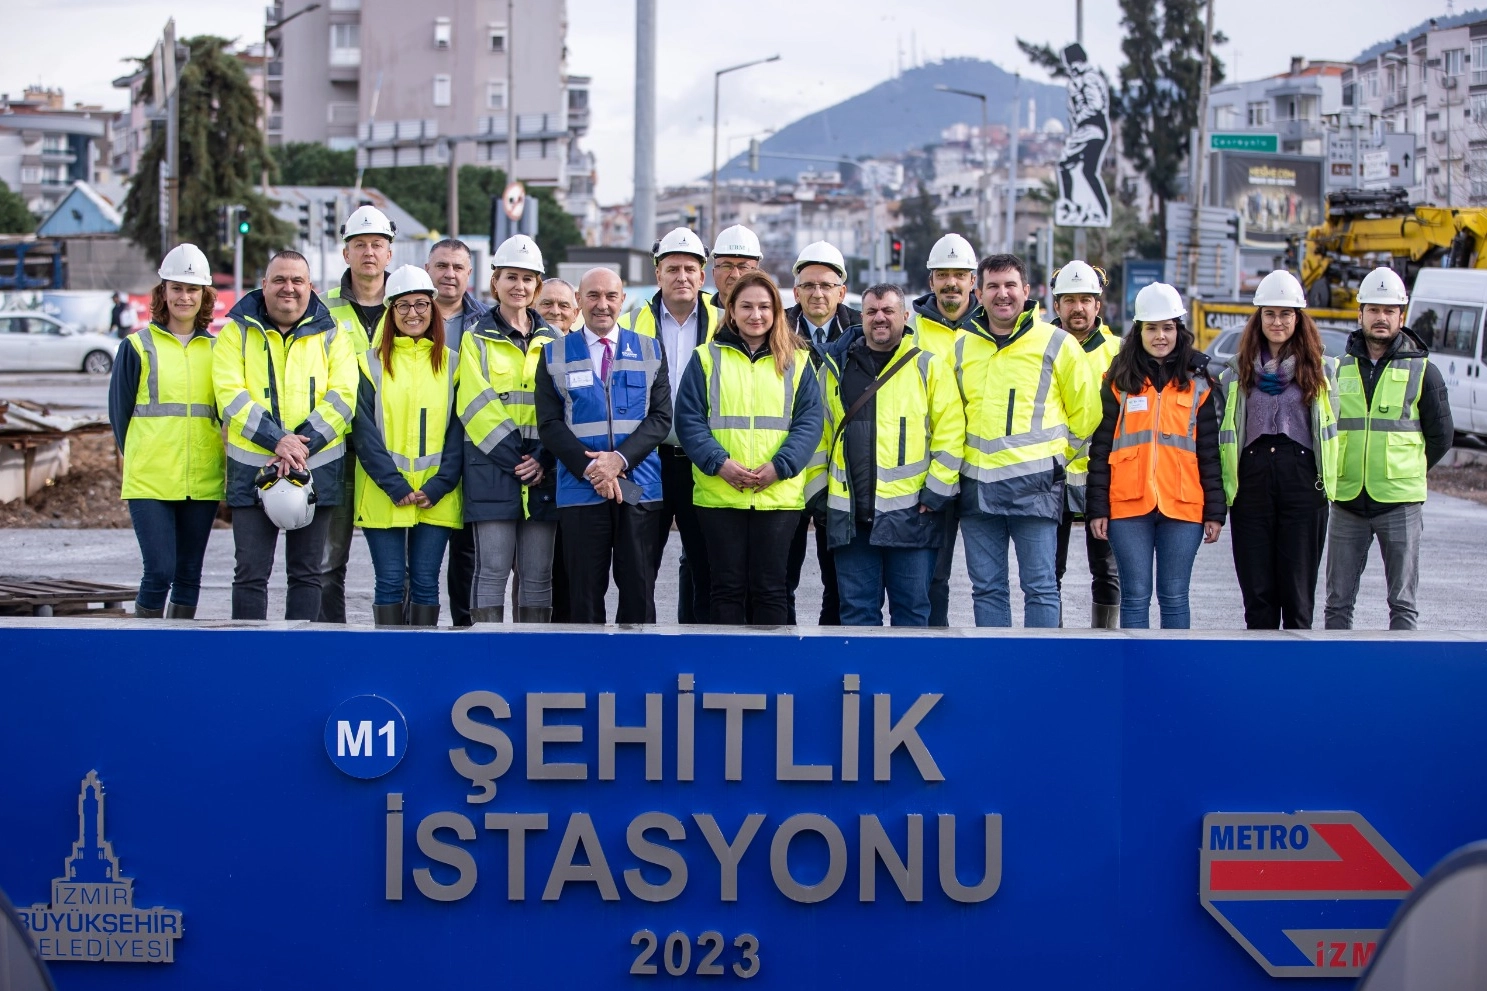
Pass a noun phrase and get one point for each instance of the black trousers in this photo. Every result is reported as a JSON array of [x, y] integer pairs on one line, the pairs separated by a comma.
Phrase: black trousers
[[617, 535], [693, 585], [939, 582], [748, 550], [459, 575], [1104, 585], [255, 540], [831, 603], [1278, 524]]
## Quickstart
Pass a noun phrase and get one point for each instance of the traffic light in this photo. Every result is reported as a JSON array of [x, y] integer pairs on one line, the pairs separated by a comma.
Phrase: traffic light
[[896, 252], [223, 237], [304, 222], [753, 154], [328, 223], [244, 224]]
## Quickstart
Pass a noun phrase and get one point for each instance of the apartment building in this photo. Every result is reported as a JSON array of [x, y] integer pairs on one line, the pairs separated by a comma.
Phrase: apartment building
[[45, 146]]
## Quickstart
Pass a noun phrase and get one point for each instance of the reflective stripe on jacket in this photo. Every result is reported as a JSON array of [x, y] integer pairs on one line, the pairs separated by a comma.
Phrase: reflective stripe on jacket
[[602, 415], [1324, 438], [1381, 444], [1026, 403], [1100, 349], [406, 430], [173, 445], [647, 318], [1154, 452]]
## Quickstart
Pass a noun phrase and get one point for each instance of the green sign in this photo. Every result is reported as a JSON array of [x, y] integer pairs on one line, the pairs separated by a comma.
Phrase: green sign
[[1244, 142]]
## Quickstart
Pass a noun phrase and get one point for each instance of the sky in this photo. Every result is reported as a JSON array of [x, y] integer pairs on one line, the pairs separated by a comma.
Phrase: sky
[[829, 51]]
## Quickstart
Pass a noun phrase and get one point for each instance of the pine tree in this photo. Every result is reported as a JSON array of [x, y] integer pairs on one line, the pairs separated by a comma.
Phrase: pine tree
[[920, 229], [222, 156], [14, 217]]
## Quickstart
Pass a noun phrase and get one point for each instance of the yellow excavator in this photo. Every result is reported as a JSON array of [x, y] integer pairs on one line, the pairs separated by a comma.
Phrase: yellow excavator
[[1367, 228]]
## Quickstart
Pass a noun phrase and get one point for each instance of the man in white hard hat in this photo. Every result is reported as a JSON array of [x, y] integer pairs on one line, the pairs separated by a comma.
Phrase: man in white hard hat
[[1394, 424], [939, 316], [356, 306], [821, 318], [1078, 296], [286, 383], [735, 251], [450, 266], [683, 317]]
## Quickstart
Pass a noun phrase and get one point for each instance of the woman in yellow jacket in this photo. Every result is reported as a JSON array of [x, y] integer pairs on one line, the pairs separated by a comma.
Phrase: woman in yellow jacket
[[1155, 486], [409, 449], [164, 415]]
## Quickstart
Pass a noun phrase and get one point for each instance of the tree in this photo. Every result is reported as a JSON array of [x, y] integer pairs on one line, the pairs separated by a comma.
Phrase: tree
[[305, 163], [14, 217], [221, 156], [919, 229]]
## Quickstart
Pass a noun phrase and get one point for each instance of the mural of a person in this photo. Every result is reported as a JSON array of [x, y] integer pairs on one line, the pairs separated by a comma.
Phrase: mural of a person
[[1082, 198]]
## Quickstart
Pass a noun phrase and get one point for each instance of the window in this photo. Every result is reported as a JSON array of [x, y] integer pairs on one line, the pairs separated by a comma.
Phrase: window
[[1479, 62], [495, 94], [443, 32], [1446, 329], [345, 44], [1257, 114], [1451, 62], [1225, 118], [1372, 80], [30, 175], [497, 38], [1391, 82], [1478, 109], [441, 91]]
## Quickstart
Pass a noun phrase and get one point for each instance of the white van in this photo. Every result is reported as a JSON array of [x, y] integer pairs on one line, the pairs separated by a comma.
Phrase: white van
[[1446, 308]]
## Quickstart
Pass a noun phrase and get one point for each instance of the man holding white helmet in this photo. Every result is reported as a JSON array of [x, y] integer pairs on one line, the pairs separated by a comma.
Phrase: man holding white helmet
[[821, 318], [682, 317], [356, 307], [286, 380], [1078, 295], [1393, 425]]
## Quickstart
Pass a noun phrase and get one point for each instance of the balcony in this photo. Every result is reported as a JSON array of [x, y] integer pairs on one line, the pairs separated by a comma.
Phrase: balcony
[[276, 70], [345, 4], [345, 58]]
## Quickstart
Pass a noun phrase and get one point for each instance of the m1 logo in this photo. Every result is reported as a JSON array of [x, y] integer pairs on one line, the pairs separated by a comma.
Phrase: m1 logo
[[366, 736], [1307, 894]]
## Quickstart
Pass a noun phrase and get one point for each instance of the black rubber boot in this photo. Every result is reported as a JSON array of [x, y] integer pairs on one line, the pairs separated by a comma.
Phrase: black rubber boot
[[423, 615], [1105, 617], [488, 614], [388, 615], [140, 612], [174, 610], [534, 614]]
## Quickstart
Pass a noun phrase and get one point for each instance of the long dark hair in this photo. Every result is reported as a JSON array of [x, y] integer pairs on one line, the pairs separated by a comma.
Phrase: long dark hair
[[390, 330], [1305, 345], [1133, 366]]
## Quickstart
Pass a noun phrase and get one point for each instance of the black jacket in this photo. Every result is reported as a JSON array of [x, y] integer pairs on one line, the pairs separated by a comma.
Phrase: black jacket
[[1435, 407], [860, 366], [846, 322], [1210, 472]]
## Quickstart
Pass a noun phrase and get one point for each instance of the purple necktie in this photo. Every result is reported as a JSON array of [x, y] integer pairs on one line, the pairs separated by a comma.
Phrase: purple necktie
[[608, 355]]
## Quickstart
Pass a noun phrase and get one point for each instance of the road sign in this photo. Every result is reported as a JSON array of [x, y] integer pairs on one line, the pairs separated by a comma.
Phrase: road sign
[[1241, 141], [1307, 895]]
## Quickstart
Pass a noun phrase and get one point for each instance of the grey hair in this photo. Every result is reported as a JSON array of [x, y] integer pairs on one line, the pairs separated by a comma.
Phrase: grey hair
[[883, 290], [561, 282]]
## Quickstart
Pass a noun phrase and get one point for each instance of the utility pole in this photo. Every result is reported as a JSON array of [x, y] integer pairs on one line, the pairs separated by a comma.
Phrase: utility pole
[[510, 93], [712, 213], [983, 197], [1201, 173], [453, 192], [643, 204], [1081, 242], [1011, 234], [172, 227], [276, 26]]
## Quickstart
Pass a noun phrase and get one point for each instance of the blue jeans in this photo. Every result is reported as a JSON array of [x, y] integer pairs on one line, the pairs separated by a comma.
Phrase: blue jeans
[[1175, 544], [1036, 539], [172, 541], [406, 554], [865, 572]]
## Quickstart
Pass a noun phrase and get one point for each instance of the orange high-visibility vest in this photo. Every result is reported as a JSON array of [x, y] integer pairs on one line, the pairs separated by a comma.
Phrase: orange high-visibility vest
[[1154, 454]]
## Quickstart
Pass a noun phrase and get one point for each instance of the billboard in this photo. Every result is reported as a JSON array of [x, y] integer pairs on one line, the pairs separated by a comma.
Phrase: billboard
[[1276, 196]]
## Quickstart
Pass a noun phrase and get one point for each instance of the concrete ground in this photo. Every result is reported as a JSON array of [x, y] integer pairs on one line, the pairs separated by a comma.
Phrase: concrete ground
[[1454, 549], [68, 391]]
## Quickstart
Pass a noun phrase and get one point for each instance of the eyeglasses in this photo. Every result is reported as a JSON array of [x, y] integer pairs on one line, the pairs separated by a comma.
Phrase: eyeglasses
[[746, 266], [419, 307], [811, 288]]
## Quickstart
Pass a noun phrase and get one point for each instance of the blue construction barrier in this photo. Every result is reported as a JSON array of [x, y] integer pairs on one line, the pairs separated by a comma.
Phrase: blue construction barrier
[[344, 808]]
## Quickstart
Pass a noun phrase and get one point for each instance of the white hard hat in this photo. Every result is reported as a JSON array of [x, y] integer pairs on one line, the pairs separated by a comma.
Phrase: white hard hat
[[368, 220], [683, 241], [952, 251], [519, 251], [1383, 286], [187, 264], [1078, 277], [1280, 288], [289, 502], [737, 241], [1159, 301], [409, 278], [821, 253]]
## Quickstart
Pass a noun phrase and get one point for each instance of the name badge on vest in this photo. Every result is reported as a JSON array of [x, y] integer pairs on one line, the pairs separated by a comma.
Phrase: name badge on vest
[[1136, 404], [580, 380]]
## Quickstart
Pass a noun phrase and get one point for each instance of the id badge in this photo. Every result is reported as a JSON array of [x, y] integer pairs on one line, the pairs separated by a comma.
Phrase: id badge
[[580, 380], [1136, 404]]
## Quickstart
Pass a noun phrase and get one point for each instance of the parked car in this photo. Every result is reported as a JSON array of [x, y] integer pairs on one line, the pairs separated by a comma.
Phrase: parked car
[[35, 342], [1224, 347]]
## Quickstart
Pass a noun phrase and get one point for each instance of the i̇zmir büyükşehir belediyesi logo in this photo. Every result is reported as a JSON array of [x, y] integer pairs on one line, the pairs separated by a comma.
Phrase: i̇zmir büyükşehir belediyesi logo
[[92, 914]]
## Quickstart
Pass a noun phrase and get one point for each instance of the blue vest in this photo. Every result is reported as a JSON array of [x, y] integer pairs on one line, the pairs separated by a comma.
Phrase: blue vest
[[601, 419]]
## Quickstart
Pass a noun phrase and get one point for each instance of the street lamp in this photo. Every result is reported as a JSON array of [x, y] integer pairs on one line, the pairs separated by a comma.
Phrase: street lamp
[[267, 27], [1448, 83], [981, 206], [712, 216]]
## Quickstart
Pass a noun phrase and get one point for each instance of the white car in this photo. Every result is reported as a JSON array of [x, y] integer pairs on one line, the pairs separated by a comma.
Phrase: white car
[[35, 342]]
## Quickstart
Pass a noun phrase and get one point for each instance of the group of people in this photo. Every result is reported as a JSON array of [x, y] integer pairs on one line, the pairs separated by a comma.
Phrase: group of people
[[552, 440]]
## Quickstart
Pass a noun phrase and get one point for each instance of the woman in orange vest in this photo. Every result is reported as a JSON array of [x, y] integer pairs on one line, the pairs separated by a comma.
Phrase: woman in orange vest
[[1155, 486]]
